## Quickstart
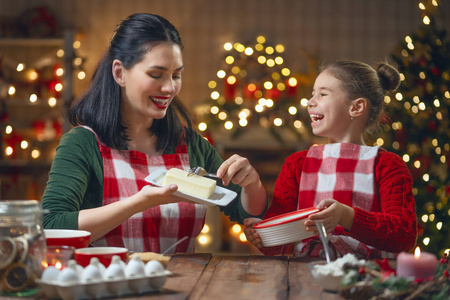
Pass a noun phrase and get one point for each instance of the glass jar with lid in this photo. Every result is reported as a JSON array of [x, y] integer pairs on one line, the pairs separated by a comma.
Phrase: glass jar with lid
[[22, 246]]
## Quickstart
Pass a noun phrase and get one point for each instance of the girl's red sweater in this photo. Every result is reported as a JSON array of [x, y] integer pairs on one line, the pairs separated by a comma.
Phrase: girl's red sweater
[[393, 229]]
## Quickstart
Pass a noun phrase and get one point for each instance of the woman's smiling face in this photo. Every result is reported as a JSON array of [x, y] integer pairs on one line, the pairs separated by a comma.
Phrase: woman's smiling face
[[329, 108], [150, 85]]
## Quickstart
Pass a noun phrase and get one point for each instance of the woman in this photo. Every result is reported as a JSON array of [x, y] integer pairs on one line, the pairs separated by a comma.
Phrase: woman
[[128, 124], [364, 193]]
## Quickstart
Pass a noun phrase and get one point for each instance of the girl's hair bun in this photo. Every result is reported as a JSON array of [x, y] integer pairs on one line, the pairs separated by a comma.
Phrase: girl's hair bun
[[389, 76]]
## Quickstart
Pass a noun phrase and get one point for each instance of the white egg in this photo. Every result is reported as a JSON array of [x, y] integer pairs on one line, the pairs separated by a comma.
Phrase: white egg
[[118, 260], [101, 267], [73, 265], [115, 269], [154, 267], [50, 274], [68, 276], [135, 267], [91, 274]]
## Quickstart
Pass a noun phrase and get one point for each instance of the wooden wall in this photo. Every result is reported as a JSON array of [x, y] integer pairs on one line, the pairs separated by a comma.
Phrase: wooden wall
[[325, 29]]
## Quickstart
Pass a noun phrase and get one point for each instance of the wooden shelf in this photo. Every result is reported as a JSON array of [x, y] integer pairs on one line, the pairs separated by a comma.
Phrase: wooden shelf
[[25, 167], [24, 177], [50, 42]]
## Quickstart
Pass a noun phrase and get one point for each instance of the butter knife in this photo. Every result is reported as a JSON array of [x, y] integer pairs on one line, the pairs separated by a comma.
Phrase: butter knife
[[324, 239]]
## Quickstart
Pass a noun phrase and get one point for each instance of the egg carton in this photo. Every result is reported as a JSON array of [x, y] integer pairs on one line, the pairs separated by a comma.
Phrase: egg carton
[[104, 288], [95, 281]]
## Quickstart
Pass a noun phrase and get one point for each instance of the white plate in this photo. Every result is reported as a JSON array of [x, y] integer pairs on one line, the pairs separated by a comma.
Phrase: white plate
[[221, 196]]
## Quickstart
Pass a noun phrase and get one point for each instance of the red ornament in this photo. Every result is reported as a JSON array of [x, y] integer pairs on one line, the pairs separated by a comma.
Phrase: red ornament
[[430, 189], [384, 265], [385, 268], [249, 91], [13, 140], [432, 125], [229, 90], [291, 90], [58, 128], [38, 127], [274, 94], [52, 88]]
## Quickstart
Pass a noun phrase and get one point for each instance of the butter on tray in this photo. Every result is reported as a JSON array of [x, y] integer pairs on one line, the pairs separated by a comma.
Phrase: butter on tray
[[190, 183]]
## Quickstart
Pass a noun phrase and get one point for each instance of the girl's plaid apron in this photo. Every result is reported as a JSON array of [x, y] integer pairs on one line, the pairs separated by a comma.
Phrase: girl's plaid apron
[[344, 172], [156, 228]]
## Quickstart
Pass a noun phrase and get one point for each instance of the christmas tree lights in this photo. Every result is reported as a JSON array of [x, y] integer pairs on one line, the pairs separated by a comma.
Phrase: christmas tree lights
[[255, 88], [419, 130], [32, 85]]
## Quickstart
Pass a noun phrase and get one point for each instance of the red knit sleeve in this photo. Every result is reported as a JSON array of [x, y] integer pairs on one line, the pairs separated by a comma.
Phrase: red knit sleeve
[[394, 229], [285, 195]]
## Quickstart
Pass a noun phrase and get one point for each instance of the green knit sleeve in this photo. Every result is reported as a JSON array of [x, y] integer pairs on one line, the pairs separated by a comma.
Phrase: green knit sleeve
[[75, 179], [202, 153]]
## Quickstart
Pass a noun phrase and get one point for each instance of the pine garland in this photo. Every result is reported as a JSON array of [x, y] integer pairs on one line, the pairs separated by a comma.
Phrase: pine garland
[[377, 281]]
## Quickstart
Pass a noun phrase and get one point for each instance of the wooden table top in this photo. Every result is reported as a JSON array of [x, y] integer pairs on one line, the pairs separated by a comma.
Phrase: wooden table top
[[203, 276], [206, 277]]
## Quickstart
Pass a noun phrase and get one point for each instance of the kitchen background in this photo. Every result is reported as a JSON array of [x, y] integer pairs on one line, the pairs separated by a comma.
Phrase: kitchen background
[[249, 68]]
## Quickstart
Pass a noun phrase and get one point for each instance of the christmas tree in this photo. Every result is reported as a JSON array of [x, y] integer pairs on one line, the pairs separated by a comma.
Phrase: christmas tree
[[419, 129], [254, 88]]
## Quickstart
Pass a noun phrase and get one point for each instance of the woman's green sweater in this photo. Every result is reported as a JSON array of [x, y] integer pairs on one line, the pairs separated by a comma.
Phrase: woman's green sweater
[[76, 178]]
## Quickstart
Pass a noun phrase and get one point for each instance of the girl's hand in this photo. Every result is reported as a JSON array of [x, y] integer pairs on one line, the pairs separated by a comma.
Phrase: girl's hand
[[331, 214], [238, 170], [250, 233]]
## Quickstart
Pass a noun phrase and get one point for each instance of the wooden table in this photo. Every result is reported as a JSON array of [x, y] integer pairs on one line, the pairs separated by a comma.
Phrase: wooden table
[[206, 277], [203, 276]]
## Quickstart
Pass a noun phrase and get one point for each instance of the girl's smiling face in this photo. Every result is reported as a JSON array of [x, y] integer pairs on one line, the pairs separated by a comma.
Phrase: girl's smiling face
[[329, 109], [150, 85]]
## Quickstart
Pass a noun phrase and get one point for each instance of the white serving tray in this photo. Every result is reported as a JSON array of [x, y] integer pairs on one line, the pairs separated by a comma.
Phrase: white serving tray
[[221, 196]]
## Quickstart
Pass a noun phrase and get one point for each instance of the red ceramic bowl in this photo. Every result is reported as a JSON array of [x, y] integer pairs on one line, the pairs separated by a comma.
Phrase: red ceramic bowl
[[67, 237], [104, 254]]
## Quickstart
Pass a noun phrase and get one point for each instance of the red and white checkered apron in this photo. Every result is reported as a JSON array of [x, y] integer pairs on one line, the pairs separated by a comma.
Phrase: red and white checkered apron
[[344, 172], [156, 228]]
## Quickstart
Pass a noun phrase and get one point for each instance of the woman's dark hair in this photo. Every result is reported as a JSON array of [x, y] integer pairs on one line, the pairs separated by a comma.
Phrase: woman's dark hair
[[360, 80], [99, 105]]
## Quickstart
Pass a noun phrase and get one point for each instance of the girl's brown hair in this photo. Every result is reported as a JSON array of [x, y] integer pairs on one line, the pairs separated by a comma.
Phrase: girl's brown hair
[[359, 80]]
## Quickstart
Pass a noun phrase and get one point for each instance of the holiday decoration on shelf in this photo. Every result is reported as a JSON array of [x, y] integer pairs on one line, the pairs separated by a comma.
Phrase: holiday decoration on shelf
[[36, 22], [419, 127], [31, 103], [255, 88]]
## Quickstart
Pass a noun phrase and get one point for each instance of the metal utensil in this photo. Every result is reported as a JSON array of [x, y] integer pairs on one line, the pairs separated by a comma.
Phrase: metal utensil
[[173, 246], [324, 239], [201, 172]]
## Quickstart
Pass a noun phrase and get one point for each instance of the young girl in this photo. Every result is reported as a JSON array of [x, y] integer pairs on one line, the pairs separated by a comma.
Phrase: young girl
[[129, 123], [364, 193]]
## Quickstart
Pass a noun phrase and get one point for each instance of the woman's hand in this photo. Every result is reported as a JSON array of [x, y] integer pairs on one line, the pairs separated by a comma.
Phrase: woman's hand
[[331, 214], [238, 170], [250, 233], [150, 196]]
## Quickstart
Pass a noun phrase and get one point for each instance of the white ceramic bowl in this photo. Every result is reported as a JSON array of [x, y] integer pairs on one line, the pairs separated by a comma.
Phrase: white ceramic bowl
[[325, 277], [285, 228]]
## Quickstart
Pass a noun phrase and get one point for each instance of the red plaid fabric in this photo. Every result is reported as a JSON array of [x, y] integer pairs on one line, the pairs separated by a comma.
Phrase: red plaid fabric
[[156, 228], [344, 172]]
